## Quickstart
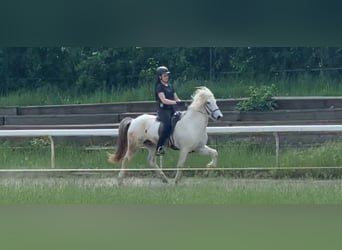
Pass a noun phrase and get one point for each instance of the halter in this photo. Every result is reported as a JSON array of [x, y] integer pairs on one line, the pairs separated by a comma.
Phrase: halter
[[209, 111]]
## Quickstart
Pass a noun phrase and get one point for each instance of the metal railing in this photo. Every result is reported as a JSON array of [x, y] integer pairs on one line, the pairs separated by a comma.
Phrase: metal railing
[[275, 130]]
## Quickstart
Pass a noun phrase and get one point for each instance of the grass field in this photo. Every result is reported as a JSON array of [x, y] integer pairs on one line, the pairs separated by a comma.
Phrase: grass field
[[196, 190], [188, 191], [236, 154]]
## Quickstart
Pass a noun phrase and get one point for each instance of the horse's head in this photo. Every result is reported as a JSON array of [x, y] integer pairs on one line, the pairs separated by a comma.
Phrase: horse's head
[[204, 99], [212, 109]]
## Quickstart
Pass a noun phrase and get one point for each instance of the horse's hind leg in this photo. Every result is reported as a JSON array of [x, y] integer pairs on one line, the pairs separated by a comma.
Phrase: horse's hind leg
[[132, 148], [153, 164]]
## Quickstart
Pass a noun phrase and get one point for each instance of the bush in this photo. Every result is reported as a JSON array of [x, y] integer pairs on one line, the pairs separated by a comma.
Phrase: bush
[[260, 99]]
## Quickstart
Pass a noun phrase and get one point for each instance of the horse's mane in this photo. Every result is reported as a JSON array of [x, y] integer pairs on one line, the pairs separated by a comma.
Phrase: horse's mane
[[200, 96]]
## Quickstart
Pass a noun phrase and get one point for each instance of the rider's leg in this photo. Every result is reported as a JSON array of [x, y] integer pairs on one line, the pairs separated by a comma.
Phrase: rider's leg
[[165, 119]]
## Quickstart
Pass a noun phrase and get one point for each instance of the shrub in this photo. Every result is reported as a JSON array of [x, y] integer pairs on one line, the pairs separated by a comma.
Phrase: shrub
[[260, 99]]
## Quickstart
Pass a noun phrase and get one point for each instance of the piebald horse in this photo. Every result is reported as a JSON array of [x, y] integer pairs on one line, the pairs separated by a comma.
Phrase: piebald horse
[[189, 134]]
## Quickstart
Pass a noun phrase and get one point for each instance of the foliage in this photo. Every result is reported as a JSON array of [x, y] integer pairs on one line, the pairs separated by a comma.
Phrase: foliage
[[50, 95], [260, 99], [88, 69], [39, 142]]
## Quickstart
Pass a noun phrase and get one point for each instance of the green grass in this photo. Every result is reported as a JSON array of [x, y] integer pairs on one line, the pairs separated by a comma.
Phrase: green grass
[[327, 155], [235, 154], [188, 191], [205, 191], [227, 88]]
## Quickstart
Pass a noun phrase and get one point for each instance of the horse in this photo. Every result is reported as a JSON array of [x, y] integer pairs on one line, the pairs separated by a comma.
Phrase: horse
[[189, 134]]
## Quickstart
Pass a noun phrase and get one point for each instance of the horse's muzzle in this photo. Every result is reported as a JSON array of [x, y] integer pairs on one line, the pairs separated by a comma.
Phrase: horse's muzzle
[[217, 114]]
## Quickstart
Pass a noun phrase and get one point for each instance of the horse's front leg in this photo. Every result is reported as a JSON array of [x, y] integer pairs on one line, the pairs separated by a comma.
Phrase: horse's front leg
[[181, 160], [153, 163], [213, 154]]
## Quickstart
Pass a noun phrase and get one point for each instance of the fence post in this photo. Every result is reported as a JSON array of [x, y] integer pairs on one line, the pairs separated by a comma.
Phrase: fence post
[[52, 144], [276, 136], [161, 161]]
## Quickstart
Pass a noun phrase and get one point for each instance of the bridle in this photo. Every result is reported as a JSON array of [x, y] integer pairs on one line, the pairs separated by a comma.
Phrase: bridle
[[210, 111]]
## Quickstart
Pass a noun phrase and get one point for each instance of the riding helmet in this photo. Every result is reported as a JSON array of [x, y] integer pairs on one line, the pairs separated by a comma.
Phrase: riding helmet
[[161, 70]]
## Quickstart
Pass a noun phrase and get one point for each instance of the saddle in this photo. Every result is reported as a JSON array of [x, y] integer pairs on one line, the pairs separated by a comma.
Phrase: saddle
[[174, 119]]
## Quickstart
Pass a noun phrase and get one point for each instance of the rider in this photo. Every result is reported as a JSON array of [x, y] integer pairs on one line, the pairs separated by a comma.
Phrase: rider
[[167, 99]]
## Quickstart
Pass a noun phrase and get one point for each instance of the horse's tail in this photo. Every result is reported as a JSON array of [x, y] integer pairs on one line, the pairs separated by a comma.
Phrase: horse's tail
[[122, 141]]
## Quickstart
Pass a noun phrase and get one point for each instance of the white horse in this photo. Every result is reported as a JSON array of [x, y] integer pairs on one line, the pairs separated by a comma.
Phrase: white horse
[[189, 134]]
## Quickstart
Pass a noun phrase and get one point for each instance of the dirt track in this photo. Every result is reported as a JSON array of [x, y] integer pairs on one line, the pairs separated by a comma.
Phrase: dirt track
[[241, 173]]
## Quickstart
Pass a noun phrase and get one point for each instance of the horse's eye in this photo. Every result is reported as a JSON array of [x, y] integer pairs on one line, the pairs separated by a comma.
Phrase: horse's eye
[[208, 102]]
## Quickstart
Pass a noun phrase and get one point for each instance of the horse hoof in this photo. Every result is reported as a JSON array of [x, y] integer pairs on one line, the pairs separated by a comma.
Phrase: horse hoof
[[166, 181], [206, 173], [176, 181], [120, 181]]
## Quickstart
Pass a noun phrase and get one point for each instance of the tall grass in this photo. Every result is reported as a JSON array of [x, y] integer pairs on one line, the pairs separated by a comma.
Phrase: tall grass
[[233, 155], [204, 191], [226, 88]]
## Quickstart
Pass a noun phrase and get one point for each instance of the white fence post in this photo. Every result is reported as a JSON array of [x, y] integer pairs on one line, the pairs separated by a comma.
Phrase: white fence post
[[276, 136], [52, 145]]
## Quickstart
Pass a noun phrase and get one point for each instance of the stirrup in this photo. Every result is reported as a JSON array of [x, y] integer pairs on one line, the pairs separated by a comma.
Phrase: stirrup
[[160, 151]]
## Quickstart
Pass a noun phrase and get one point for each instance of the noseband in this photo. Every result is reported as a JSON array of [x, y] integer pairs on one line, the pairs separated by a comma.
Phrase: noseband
[[209, 111]]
